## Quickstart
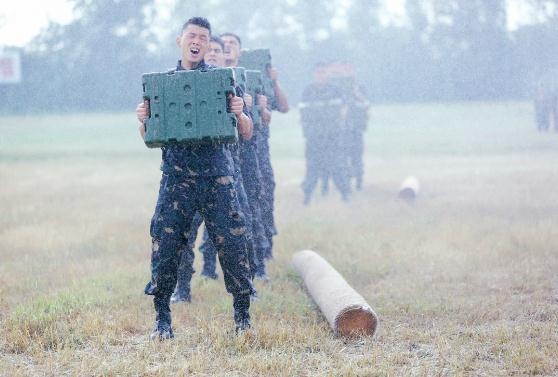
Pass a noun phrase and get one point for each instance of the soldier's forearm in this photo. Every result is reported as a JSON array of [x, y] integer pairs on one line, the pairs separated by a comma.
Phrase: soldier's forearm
[[245, 126], [281, 99]]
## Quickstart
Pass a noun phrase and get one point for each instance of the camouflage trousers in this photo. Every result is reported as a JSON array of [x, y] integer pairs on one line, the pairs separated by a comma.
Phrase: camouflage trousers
[[267, 191], [208, 248], [215, 198]]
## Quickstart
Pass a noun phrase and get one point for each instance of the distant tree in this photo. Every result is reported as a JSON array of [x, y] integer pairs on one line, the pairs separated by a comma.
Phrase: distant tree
[[93, 62], [447, 50]]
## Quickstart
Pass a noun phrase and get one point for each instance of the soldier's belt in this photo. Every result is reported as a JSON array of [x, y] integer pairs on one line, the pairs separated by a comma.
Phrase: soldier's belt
[[189, 107], [333, 102]]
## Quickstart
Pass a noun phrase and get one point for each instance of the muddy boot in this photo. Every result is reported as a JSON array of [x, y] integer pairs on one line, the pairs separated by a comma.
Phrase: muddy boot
[[162, 329], [241, 305]]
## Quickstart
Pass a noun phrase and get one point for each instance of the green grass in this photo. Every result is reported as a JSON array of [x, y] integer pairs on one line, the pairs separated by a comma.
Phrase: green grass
[[463, 280]]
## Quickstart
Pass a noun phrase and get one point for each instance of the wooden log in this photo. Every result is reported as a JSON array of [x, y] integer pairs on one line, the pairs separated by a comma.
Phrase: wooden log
[[346, 311], [409, 189]]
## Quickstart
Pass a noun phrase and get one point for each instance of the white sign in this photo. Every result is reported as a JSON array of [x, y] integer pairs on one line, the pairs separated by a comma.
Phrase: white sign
[[10, 67]]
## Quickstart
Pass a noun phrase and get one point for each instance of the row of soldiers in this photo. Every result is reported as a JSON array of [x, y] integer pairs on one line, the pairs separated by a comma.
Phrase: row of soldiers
[[334, 116], [228, 187]]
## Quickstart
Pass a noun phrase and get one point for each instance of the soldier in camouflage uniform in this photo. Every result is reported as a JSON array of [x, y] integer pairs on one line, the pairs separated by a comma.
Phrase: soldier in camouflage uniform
[[279, 103], [252, 176], [182, 292], [198, 178], [239, 155]]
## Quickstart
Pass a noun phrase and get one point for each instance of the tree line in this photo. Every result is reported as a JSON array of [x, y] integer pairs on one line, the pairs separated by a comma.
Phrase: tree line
[[441, 50]]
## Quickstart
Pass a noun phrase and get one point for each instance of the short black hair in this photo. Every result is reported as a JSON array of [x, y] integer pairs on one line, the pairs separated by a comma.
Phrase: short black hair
[[199, 21], [217, 40], [229, 34]]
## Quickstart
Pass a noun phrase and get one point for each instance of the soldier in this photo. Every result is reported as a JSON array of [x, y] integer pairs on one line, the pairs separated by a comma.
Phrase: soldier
[[546, 102], [357, 121], [182, 292], [250, 164], [281, 104], [247, 203], [323, 114], [341, 74], [198, 178]]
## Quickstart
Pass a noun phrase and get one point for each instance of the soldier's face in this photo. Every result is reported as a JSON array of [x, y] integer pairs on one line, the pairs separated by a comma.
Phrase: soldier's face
[[232, 47], [215, 55], [194, 43]]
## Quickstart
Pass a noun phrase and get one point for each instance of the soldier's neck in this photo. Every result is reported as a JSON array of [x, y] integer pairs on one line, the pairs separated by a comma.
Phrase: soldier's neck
[[188, 65], [231, 63]]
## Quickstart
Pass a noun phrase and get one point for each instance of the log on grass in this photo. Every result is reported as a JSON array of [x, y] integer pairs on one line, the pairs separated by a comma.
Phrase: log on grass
[[346, 311], [409, 189]]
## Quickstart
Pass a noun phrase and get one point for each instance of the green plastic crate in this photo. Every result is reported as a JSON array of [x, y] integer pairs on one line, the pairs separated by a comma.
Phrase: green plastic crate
[[260, 60], [189, 107], [240, 77], [254, 86]]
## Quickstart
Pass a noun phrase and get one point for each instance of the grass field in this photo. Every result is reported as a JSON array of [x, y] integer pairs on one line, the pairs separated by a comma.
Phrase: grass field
[[464, 280]]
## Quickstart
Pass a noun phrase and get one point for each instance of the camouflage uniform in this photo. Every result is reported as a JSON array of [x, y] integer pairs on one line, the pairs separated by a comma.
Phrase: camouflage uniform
[[253, 183], [267, 187], [208, 249], [186, 264], [197, 178]]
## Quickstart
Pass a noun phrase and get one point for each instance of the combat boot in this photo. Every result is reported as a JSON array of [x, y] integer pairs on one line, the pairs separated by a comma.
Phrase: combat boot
[[209, 274], [181, 294], [162, 329], [182, 290], [241, 305], [261, 273]]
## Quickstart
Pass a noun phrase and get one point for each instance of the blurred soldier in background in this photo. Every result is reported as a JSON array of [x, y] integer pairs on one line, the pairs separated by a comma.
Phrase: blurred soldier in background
[[323, 115], [198, 178], [342, 75], [546, 102]]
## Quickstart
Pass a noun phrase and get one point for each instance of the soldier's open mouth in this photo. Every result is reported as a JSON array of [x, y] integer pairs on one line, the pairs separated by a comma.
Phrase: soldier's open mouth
[[195, 51]]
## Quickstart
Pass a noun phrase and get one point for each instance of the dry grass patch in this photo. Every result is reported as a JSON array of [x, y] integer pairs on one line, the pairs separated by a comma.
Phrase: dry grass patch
[[463, 280]]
